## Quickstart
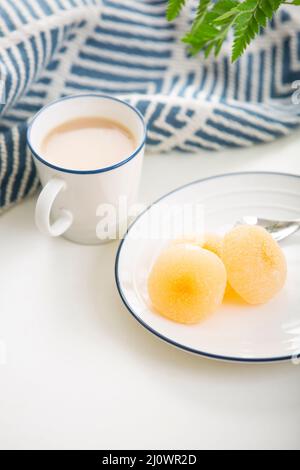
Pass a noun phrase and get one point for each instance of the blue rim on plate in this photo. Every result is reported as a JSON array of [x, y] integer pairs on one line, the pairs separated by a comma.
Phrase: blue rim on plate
[[218, 357], [87, 172]]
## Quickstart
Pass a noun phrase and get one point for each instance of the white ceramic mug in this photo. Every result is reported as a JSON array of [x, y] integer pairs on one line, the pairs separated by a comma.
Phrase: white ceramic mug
[[69, 202]]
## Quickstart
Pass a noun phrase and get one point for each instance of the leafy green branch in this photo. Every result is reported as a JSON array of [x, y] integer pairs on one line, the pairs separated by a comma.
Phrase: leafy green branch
[[214, 20]]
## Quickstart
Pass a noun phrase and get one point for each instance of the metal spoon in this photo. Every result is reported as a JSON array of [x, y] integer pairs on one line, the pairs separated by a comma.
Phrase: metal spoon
[[278, 229]]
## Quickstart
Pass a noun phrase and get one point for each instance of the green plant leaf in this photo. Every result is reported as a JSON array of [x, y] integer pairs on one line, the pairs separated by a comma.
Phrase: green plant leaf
[[260, 17], [174, 8], [267, 8], [224, 6], [200, 15], [215, 18], [202, 9], [206, 33], [254, 14], [226, 15]]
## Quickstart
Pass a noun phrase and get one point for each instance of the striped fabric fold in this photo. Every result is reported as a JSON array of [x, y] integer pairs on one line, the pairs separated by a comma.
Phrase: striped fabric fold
[[53, 48]]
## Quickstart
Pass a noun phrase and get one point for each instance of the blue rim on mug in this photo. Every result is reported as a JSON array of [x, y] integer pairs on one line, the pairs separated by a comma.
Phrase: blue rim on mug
[[87, 172]]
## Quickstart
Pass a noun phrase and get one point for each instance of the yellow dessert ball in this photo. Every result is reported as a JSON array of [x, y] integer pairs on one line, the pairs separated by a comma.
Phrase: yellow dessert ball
[[191, 239], [214, 243], [209, 241], [255, 264], [187, 283]]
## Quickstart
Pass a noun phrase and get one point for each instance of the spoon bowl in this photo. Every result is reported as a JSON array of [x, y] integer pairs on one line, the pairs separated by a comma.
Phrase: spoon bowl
[[280, 230]]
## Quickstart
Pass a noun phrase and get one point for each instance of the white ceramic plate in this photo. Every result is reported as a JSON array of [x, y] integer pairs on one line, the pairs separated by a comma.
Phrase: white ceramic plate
[[236, 332]]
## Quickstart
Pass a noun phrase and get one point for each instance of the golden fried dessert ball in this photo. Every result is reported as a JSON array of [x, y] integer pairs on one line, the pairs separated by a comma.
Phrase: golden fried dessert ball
[[213, 242], [255, 264], [187, 283]]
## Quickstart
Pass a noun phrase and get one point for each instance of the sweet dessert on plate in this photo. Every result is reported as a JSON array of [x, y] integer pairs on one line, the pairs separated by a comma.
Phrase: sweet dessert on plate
[[188, 279], [187, 283]]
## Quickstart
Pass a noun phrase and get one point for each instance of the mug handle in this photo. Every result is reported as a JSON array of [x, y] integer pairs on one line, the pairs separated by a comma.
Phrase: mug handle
[[44, 206]]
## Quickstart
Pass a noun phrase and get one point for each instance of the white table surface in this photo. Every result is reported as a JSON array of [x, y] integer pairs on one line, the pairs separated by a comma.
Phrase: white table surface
[[81, 373]]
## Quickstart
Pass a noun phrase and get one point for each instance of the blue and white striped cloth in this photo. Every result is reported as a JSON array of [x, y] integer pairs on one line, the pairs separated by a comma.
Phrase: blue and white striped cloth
[[52, 48]]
